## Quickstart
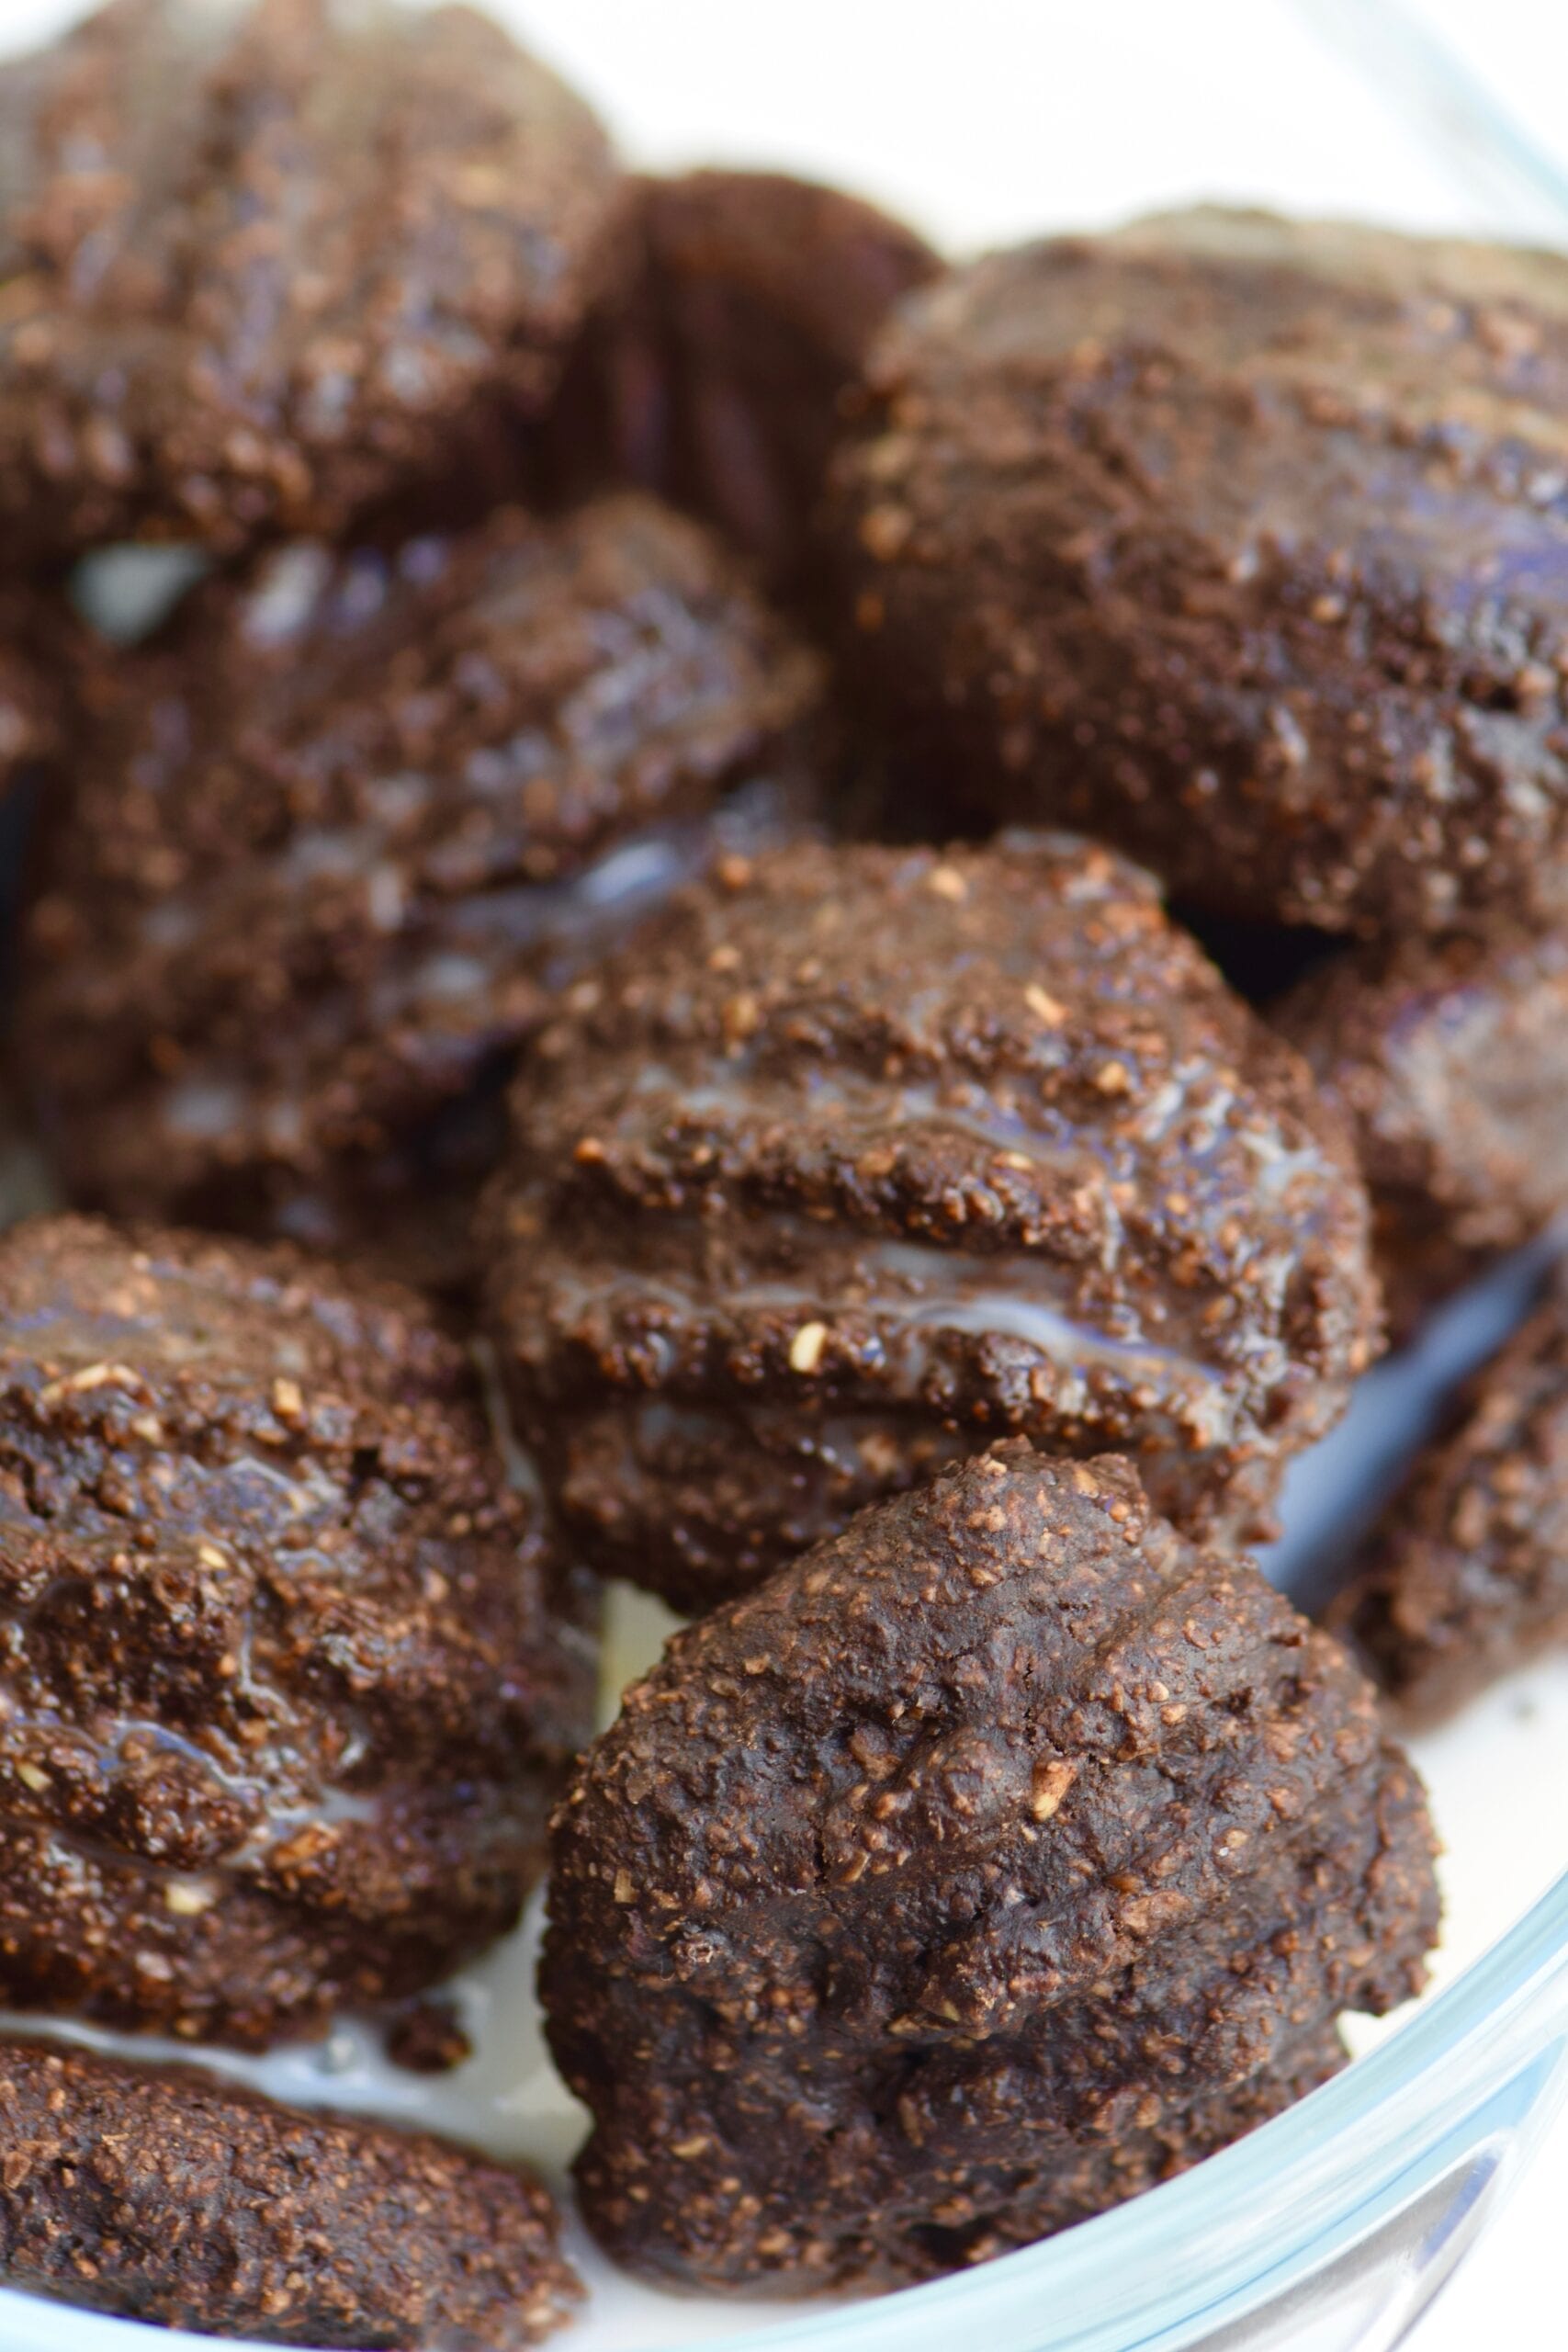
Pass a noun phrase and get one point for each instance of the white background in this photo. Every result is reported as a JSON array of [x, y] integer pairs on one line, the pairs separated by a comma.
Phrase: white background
[[988, 120]]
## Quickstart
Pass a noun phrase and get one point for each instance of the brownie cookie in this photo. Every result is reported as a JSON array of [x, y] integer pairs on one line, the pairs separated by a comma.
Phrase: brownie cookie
[[1450, 1059], [998, 1857], [340, 840], [867, 1156], [284, 1694], [1466, 1573], [1244, 542], [712, 375], [164, 2194], [263, 263]]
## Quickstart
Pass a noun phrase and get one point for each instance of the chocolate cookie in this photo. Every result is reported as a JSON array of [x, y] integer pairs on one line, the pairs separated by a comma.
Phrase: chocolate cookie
[[1244, 542], [1450, 1059], [27, 715], [713, 375], [286, 1698], [868, 1156], [998, 1857], [341, 840], [1466, 1575], [164, 2194], [262, 264]]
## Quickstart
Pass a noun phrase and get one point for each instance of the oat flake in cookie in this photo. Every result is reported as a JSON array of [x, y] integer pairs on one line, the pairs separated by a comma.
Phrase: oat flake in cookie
[[1449, 1059], [262, 262], [285, 1696], [164, 2195], [1244, 542], [869, 1156], [998, 1858], [339, 841]]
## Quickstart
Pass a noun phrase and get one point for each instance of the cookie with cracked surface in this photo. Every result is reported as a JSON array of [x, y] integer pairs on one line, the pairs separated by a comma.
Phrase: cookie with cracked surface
[[341, 840], [1465, 1575], [1243, 542], [713, 374], [998, 1857], [866, 1157], [164, 2194], [1448, 1059], [265, 263], [289, 1677]]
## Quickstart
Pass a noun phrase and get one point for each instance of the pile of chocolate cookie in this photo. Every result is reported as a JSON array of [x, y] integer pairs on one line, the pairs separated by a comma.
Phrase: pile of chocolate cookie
[[574, 1042]]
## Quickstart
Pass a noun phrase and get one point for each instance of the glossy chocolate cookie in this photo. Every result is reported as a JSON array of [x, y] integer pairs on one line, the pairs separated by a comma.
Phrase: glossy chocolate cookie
[[164, 2195], [265, 263], [1242, 542], [712, 371], [286, 1686], [867, 1156], [1466, 1575], [1449, 1059], [342, 838], [999, 1857]]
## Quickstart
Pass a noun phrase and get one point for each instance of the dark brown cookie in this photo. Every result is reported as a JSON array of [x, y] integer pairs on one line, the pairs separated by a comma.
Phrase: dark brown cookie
[[285, 1696], [1466, 1573], [262, 264], [427, 2037], [162, 2194], [998, 1857], [712, 375], [1449, 1059], [872, 1155], [340, 842], [28, 713], [1243, 542]]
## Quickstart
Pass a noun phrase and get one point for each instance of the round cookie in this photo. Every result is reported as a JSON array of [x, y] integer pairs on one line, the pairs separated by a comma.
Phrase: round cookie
[[995, 1859], [1244, 542], [340, 840], [867, 1156], [1465, 1575], [165, 2195], [713, 375], [263, 263], [287, 1694], [1448, 1059]]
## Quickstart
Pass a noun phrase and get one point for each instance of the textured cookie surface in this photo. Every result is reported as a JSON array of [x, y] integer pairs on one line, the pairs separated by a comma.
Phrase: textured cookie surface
[[1243, 542], [262, 261], [286, 1698], [998, 1857], [866, 1157], [1449, 1059], [163, 2195], [337, 843]]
